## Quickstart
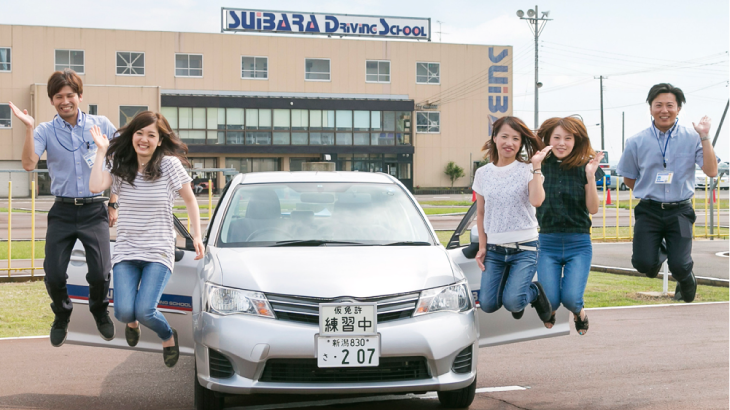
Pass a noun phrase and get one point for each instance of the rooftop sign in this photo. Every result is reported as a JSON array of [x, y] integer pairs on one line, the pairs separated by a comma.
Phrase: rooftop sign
[[351, 25]]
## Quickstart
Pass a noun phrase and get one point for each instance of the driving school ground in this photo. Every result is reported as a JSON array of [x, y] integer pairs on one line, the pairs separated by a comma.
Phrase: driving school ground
[[664, 357]]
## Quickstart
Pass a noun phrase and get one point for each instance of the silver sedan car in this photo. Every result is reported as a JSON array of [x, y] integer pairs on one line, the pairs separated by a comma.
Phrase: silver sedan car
[[324, 283]]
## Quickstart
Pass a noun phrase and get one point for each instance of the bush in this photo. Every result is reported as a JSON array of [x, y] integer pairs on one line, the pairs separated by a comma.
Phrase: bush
[[454, 172]]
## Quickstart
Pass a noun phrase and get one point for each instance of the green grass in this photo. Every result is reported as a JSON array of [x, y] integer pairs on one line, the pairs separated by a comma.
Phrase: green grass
[[446, 203], [444, 237], [24, 310], [624, 231], [439, 211], [19, 211], [21, 250], [607, 289]]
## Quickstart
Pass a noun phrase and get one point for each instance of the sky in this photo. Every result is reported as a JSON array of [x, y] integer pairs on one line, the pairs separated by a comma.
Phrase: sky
[[633, 44]]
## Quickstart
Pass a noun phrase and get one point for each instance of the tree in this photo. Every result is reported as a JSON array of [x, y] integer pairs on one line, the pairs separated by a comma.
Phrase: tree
[[454, 172]]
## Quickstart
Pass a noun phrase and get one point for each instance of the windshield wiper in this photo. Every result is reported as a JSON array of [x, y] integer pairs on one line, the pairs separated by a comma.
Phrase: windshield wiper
[[408, 243], [313, 242]]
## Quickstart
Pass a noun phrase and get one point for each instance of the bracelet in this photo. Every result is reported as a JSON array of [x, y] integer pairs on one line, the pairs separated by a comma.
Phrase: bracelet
[[537, 171], [707, 138]]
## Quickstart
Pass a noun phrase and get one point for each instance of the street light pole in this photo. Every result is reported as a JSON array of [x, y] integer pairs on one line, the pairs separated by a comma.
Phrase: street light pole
[[534, 22]]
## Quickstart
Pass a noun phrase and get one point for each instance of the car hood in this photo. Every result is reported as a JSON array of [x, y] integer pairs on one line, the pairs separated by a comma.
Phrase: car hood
[[334, 271]]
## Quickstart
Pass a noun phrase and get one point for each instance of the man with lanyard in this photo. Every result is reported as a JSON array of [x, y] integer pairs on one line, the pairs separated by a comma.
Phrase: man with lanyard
[[659, 165], [76, 213]]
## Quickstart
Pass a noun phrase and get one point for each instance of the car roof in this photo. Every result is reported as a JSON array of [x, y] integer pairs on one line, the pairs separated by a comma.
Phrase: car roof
[[315, 176]]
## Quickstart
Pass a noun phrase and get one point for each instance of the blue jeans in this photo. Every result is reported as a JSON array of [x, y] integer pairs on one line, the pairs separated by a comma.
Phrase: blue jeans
[[508, 278], [138, 286], [563, 267]]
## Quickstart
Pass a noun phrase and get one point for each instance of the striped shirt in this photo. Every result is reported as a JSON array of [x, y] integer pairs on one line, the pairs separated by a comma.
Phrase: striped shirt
[[145, 225]]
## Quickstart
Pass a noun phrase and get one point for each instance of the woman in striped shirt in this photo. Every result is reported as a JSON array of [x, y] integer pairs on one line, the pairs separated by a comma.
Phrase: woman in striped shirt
[[143, 165]]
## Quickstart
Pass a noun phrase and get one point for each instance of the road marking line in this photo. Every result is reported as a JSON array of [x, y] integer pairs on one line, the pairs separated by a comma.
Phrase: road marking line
[[23, 337], [392, 397], [652, 306]]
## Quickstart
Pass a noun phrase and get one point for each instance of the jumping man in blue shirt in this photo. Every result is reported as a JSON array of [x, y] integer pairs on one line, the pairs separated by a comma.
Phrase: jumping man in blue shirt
[[77, 213], [659, 165]]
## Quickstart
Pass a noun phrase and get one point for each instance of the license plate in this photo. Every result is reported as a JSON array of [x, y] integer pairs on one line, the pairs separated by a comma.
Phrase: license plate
[[348, 319], [354, 351]]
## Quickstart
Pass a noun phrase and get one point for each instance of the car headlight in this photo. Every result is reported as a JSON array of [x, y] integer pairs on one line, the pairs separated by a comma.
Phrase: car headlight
[[452, 298], [229, 301]]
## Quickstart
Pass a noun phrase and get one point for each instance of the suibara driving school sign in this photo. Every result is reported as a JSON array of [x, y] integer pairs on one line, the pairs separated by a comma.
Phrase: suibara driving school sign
[[291, 22]]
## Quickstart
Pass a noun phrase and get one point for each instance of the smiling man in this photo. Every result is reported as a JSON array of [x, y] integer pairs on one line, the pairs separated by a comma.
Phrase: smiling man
[[659, 165], [77, 213]]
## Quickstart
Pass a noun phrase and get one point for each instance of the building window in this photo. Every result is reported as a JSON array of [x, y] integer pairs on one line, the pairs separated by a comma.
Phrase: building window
[[129, 63], [127, 112], [73, 59], [5, 116], [377, 71], [188, 65], [317, 69], [428, 73], [428, 122], [4, 59], [93, 109], [255, 67]]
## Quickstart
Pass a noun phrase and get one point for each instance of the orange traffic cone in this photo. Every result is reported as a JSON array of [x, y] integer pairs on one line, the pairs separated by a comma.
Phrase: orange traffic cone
[[714, 199], [473, 196], [608, 196]]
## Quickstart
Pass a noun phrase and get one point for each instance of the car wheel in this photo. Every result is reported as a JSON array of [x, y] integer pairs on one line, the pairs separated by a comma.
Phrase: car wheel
[[623, 187], [461, 398], [206, 399]]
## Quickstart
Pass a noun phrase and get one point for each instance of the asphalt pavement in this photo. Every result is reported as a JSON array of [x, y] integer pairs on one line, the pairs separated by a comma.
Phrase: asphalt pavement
[[664, 358]]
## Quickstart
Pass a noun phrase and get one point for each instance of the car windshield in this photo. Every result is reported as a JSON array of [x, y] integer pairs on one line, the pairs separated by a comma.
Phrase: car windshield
[[316, 214]]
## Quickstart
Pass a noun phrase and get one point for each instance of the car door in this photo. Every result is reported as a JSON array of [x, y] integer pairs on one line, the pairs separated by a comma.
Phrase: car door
[[498, 327], [175, 303]]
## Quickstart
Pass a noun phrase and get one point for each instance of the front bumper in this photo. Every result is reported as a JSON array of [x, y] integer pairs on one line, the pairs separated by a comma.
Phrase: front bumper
[[248, 342]]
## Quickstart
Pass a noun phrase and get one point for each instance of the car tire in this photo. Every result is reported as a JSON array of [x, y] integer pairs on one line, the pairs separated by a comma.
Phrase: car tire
[[456, 399], [206, 399], [623, 187]]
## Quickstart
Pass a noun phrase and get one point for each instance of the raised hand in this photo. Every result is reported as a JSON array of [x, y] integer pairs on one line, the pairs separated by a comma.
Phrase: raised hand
[[539, 156], [592, 165], [703, 128], [101, 141], [22, 115]]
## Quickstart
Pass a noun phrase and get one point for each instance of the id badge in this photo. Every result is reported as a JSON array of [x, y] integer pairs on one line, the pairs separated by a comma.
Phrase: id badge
[[664, 177], [90, 156]]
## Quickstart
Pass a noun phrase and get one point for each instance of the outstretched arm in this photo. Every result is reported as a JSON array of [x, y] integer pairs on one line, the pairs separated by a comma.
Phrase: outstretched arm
[[29, 158], [191, 204], [99, 180], [709, 162]]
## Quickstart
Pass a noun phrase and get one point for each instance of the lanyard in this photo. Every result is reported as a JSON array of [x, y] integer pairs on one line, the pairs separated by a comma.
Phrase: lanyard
[[53, 124], [666, 143]]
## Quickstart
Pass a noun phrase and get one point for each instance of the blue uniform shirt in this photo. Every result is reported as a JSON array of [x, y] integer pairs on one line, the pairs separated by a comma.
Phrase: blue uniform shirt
[[642, 160], [66, 146]]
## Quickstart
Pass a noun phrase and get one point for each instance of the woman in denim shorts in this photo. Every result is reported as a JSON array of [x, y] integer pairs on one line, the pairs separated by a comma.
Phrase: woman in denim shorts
[[507, 195]]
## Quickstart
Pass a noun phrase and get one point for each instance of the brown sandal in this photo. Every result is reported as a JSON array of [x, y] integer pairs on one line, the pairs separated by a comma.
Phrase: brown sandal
[[581, 325]]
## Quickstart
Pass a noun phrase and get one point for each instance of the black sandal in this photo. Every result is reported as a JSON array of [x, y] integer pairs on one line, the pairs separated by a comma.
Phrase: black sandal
[[581, 325], [551, 321]]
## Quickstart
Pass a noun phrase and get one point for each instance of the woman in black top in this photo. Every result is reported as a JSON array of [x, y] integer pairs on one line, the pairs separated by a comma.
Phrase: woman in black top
[[571, 172]]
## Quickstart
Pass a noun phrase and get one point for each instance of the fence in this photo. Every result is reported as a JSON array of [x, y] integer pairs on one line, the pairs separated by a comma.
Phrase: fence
[[32, 268], [711, 213]]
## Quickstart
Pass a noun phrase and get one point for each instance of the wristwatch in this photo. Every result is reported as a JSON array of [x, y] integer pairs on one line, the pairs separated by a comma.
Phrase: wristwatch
[[114, 205], [537, 171], [704, 138]]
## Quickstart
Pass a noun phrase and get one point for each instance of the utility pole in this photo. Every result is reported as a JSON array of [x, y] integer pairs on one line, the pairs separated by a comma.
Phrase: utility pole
[[602, 139], [623, 138], [534, 22]]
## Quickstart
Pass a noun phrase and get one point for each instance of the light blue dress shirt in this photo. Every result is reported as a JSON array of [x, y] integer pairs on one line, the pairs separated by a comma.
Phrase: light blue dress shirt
[[642, 161], [66, 146]]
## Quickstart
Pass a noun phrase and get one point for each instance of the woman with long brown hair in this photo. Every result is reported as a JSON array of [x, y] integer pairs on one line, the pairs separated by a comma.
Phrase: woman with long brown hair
[[143, 165], [507, 193], [571, 172]]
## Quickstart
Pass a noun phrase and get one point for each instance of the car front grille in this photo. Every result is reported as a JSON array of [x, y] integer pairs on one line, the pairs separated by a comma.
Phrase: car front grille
[[306, 371], [219, 365], [462, 362], [306, 310]]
